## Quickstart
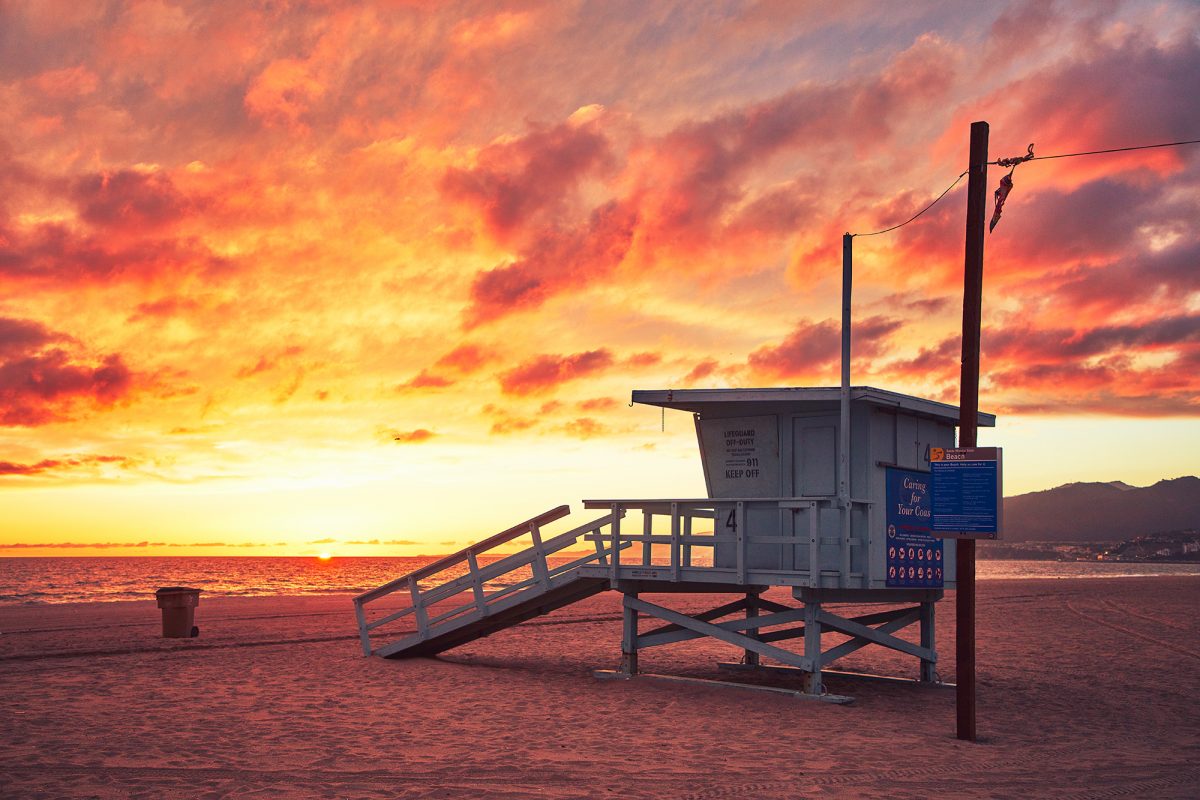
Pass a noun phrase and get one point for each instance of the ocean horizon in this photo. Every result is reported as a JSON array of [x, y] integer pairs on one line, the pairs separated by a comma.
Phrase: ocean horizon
[[36, 580]]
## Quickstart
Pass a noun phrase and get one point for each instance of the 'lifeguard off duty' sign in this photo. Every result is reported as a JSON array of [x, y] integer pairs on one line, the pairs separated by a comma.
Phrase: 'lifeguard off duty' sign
[[741, 456], [967, 491]]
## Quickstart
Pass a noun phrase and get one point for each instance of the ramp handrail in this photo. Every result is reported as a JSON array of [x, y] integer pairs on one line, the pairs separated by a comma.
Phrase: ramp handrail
[[476, 577]]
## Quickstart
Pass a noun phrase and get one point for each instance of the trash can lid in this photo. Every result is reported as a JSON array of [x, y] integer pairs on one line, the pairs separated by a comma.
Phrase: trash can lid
[[176, 590]]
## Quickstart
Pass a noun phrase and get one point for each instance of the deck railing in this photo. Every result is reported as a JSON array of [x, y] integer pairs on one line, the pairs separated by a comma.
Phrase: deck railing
[[490, 586], [728, 516]]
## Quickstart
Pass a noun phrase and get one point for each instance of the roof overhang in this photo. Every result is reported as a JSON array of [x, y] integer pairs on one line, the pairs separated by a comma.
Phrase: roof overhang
[[700, 400]]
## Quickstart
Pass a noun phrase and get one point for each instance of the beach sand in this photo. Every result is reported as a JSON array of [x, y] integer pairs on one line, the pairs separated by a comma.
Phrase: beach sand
[[1087, 688]]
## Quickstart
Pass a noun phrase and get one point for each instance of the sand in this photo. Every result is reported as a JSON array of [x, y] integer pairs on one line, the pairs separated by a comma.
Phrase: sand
[[1087, 688]]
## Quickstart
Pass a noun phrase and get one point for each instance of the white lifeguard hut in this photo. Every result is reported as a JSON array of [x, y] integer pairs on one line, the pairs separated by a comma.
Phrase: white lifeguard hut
[[820, 490]]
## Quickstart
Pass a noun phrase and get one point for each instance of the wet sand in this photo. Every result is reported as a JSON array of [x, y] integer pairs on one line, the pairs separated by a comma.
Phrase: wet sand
[[1087, 688]]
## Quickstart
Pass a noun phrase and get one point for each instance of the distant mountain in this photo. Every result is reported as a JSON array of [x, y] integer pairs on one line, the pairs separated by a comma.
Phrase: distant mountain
[[1092, 512]]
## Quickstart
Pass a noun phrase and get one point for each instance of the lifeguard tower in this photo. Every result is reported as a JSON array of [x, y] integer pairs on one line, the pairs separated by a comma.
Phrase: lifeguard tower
[[821, 490]]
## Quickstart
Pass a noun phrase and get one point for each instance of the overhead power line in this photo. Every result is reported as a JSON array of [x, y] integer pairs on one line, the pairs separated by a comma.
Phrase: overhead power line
[[1112, 150], [919, 213], [1033, 158]]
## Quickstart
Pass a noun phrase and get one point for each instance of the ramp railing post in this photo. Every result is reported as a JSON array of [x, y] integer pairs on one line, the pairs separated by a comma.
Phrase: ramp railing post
[[476, 583], [541, 572], [418, 604], [674, 541], [687, 545], [364, 635], [614, 562], [647, 533]]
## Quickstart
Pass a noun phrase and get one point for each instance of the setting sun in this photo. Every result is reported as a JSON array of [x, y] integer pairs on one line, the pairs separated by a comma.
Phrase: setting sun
[[324, 556]]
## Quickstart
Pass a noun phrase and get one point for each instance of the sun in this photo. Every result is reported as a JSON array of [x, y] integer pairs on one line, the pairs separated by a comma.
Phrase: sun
[[324, 556]]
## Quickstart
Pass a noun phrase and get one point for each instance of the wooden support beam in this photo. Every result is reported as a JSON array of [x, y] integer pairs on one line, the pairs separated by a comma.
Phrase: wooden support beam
[[928, 671], [629, 637], [751, 657], [812, 647]]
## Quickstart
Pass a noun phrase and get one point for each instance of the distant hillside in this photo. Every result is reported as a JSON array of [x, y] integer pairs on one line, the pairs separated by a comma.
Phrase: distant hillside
[[1090, 512]]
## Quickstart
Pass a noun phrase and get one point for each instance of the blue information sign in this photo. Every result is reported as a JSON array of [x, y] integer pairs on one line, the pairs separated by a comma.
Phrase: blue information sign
[[967, 486], [914, 557]]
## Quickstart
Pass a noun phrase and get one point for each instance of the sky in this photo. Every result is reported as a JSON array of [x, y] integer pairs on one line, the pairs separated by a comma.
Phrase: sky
[[378, 279]]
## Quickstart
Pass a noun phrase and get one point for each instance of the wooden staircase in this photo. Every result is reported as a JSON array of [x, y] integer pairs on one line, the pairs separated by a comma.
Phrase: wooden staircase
[[457, 599]]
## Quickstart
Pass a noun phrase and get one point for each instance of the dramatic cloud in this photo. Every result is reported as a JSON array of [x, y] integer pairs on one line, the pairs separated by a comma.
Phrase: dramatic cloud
[[547, 372], [461, 361], [56, 254], [558, 260], [466, 358], [702, 371], [18, 336], [40, 385], [129, 200], [517, 182], [812, 347]]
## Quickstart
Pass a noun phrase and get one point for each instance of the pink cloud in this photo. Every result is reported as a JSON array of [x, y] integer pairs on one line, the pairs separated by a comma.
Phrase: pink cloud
[[543, 373], [557, 261], [517, 182], [130, 200], [812, 347], [39, 385]]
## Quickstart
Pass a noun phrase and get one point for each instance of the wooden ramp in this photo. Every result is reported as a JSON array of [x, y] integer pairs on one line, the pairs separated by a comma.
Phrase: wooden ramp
[[457, 599]]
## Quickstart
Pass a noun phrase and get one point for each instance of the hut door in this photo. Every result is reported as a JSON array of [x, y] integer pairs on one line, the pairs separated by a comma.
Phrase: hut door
[[814, 456]]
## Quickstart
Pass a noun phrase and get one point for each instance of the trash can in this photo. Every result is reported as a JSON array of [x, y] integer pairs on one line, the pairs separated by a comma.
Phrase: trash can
[[178, 604]]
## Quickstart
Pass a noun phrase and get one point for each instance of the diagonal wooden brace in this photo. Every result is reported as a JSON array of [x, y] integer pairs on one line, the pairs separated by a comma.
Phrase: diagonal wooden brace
[[720, 632], [707, 616], [678, 634], [877, 635]]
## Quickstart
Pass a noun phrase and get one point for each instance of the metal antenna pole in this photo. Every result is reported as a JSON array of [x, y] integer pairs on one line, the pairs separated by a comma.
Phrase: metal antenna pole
[[968, 420], [844, 427]]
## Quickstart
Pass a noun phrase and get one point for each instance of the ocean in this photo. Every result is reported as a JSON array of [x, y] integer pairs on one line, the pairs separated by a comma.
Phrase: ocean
[[26, 581]]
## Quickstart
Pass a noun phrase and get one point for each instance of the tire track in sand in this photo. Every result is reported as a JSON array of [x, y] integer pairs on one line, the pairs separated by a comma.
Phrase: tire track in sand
[[1131, 632]]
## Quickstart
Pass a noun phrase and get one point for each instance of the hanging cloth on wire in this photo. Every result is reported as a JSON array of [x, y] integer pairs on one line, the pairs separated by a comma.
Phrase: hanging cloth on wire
[[1006, 183]]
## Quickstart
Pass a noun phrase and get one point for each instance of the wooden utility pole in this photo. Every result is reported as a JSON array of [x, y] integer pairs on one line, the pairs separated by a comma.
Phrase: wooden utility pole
[[968, 420]]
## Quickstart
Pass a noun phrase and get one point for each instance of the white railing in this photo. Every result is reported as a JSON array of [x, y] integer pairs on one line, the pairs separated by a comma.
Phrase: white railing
[[728, 516], [491, 586]]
